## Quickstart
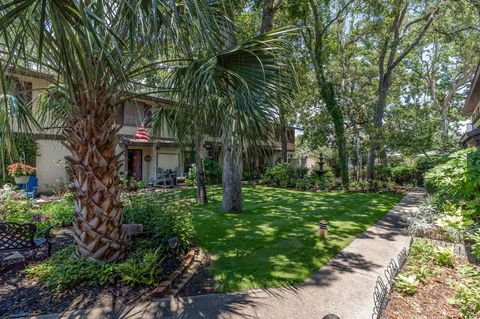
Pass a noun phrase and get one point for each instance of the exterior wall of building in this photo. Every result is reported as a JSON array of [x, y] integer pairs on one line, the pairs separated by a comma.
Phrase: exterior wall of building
[[50, 161], [50, 164]]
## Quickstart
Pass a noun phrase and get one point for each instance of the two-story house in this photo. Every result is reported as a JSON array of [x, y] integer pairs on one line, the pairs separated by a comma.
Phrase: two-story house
[[141, 158], [472, 109]]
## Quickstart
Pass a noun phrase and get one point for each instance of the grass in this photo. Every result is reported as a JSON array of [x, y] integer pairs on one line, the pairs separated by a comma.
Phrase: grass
[[273, 242]]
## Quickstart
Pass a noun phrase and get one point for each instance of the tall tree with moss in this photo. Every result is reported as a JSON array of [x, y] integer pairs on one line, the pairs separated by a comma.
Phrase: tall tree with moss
[[317, 36]]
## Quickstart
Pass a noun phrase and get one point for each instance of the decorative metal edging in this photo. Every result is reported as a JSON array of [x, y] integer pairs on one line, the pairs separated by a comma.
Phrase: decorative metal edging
[[383, 288]]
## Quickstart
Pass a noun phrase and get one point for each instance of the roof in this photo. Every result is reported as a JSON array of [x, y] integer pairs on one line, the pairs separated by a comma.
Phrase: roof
[[473, 98]]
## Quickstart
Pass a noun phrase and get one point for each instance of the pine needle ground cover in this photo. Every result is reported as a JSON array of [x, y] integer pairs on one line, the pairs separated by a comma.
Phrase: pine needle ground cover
[[273, 242]]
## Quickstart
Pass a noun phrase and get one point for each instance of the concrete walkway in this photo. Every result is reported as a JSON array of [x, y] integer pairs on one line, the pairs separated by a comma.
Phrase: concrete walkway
[[344, 287]]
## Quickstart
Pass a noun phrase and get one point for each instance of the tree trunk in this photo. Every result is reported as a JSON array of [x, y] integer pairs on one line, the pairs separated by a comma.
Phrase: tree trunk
[[232, 170], [201, 185], [283, 137], [91, 138], [269, 9], [384, 86], [358, 153], [328, 96]]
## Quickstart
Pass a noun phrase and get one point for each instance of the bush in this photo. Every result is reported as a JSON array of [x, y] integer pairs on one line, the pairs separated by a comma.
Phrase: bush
[[458, 181], [281, 175], [64, 271], [213, 171], [16, 207], [382, 172], [191, 177], [405, 173], [162, 218], [61, 212], [406, 283], [443, 256], [467, 292]]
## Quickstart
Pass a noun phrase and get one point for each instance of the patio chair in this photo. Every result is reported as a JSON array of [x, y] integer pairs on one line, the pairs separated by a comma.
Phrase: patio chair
[[31, 186], [163, 178], [180, 177]]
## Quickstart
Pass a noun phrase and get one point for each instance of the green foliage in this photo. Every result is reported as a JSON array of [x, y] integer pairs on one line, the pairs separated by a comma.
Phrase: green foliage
[[474, 238], [443, 256], [421, 251], [406, 283], [64, 271], [60, 212], [467, 292], [131, 183], [163, 217], [280, 175], [140, 269], [191, 177], [422, 273], [213, 171], [382, 172], [16, 207], [458, 181], [405, 173]]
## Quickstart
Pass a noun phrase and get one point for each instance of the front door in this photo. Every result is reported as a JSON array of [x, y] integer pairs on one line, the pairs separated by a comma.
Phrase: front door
[[135, 163]]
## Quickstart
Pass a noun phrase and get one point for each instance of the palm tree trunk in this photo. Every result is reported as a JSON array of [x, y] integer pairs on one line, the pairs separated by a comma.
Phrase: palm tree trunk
[[232, 170], [201, 185], [91, 138]]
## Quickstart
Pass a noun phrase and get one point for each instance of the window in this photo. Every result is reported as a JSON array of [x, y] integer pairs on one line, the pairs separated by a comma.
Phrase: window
[[135, 113]]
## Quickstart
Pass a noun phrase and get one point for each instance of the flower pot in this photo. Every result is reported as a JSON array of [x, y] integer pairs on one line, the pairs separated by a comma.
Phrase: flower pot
[[21, 179]]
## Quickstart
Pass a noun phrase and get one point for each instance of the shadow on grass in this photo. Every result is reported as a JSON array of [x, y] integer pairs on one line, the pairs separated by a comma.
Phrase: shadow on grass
[[273, 242]]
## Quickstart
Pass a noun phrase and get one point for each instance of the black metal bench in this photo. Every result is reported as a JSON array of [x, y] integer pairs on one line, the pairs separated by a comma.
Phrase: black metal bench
[[23, 237]]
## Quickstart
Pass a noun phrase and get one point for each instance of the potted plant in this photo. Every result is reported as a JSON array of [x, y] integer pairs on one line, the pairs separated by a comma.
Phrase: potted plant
[[20, 172]]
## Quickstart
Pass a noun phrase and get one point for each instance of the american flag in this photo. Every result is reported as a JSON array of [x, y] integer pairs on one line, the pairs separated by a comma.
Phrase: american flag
[[142, 134]]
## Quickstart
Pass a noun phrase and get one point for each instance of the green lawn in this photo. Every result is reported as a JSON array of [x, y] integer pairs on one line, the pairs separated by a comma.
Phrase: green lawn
[[273, 243]]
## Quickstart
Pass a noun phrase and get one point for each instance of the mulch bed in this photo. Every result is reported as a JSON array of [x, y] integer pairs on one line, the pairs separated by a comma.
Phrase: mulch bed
[[20, 295], [430, 301], [201, 282]]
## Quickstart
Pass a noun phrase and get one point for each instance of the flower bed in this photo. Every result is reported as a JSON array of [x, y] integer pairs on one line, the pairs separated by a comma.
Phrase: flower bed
[[435, 283]]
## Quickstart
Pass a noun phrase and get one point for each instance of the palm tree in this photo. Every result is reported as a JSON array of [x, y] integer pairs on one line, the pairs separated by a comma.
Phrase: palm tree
[[240, 87], [99, 52], [96, 51]]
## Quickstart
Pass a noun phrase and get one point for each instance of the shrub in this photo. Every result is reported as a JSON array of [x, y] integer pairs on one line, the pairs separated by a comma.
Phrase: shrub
[[474, 238], [406, 283], [64, 271], [191, 177], [162, 218], [281, 175], [61, 212], [458, 181], [443, 256], [467, 292], [16, 207], [405, 173], [213, 171], [382, 172]]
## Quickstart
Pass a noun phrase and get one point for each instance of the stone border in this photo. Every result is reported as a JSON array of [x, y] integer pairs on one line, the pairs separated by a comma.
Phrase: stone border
[[167, 285]]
